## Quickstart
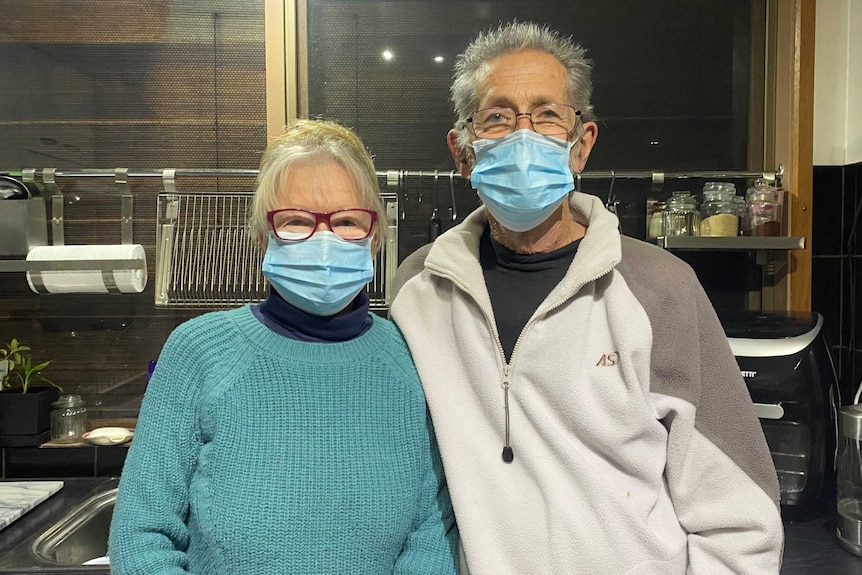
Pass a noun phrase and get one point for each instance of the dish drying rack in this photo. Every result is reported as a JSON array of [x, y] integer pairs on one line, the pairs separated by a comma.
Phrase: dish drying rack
[[205, 257]]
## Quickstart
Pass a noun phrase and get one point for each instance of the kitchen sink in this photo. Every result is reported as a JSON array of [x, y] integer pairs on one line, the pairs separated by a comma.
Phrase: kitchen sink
[[67, 531], [81, 535]]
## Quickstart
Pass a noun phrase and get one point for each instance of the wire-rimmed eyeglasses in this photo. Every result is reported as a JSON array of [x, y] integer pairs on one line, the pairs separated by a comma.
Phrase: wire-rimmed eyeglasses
[[292, 224], [546, 119]]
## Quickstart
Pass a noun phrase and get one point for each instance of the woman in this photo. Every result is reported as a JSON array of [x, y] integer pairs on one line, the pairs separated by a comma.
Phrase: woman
[[291, 436]]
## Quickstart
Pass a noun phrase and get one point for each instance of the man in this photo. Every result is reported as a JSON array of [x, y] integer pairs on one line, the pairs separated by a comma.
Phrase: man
[[590, 414]]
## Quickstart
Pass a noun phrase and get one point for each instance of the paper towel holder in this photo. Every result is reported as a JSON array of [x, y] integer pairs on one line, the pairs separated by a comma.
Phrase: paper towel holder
[[49, 186], [22, 225]]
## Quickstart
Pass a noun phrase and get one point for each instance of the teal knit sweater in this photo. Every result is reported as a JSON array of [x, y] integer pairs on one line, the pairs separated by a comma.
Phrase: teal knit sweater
[[256, 454]]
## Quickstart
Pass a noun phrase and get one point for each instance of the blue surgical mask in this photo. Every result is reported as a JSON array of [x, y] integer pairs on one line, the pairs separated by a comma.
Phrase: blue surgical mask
[[320, 275], [522, 178]]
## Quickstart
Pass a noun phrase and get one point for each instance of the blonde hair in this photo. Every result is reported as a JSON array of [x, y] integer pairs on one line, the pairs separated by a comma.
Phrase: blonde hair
[[312, 142]]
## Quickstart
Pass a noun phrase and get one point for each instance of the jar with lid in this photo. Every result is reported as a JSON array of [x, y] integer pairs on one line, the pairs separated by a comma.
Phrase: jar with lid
[[709, 186], [718, 214], [68, 419], [763, 217], [849, 480], [680, 216]]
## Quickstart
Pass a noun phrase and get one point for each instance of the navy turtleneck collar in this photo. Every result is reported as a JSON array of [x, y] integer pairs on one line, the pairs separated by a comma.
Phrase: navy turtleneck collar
[[281, 317]]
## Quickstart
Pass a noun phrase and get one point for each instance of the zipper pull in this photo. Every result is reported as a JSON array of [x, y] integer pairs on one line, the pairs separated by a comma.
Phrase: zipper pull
[[508, 455]]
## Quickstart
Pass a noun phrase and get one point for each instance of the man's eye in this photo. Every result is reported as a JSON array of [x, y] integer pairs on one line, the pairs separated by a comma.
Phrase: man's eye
[[549, 115], [499, 118]]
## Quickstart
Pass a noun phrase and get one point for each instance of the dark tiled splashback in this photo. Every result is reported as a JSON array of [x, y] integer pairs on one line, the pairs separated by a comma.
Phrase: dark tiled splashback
[[837, 266]]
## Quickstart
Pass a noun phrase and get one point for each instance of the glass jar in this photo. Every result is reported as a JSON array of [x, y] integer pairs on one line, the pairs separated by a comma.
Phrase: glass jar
[[68, 419], [763, 213], [654, 220], [849, 484], [718, 214], [680, 216]]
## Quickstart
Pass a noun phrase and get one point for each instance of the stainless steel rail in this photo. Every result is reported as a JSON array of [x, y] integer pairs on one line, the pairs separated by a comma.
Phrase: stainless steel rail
[[148, 173], [653, 175]]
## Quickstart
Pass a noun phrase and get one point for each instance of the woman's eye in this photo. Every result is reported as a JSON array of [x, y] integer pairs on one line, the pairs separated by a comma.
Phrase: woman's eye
[[293, 223], [345, 223]]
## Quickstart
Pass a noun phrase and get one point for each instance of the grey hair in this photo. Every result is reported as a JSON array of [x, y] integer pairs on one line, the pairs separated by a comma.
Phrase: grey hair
[[312, 142], [473, 65]]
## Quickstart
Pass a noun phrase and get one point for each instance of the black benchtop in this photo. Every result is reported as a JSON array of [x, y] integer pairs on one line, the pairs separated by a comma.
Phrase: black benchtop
[[810, 546]]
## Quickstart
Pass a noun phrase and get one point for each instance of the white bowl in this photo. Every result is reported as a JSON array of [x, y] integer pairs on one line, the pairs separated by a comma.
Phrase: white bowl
[[108, 435]]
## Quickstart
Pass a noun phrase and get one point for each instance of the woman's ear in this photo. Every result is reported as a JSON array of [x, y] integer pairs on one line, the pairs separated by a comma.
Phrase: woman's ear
[[462, 156], [262, 241]]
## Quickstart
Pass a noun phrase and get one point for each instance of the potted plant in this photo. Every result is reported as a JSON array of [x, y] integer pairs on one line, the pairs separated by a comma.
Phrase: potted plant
[[25, 400]]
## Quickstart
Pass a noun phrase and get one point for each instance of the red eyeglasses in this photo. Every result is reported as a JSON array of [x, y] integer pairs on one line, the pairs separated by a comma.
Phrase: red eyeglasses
[[291, 224]]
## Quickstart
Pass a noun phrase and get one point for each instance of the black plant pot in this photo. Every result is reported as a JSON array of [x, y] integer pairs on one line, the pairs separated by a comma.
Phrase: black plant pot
[[25, 418]]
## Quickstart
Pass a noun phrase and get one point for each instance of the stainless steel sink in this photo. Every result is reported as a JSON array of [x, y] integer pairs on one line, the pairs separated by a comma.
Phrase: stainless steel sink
[[63, 545], [81, 535]]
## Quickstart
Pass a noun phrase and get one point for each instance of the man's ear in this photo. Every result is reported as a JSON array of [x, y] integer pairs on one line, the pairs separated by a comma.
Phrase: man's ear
[[585, 145], [462, 157]]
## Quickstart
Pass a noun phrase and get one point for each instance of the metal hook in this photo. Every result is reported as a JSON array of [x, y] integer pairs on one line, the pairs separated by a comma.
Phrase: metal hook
[[612, 202], [57, 229], [393, 183], [657, 182], [121, 178], [420, 186], [403, 189], [453, 212], [434, 226], [434, 188], [169, 180]]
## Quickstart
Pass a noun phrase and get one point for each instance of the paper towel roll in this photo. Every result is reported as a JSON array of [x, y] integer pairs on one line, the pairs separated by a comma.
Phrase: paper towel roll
[[104, 278]]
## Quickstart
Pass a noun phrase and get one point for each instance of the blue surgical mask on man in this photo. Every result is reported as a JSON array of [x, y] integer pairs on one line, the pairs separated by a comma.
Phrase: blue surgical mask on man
[[320, 275], [522, 178]]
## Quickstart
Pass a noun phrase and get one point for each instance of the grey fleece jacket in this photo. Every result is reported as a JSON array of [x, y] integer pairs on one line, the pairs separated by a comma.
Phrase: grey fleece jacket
[[636, 446]]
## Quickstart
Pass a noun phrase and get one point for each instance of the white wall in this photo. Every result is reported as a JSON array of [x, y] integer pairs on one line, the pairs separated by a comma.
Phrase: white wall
[[838, 83]]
